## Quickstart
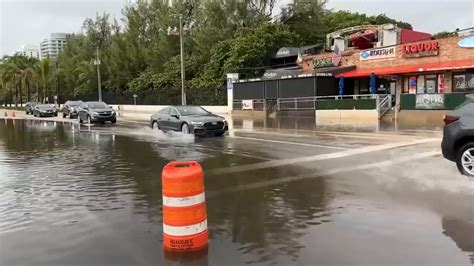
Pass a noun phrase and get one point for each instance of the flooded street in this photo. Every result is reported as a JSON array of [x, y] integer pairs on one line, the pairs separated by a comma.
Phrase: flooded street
[[73, 195]]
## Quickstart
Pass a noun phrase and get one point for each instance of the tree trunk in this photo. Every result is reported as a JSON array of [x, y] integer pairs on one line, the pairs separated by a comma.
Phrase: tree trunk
[[21, 98], [11, 96], [28, 96], [16, 96]]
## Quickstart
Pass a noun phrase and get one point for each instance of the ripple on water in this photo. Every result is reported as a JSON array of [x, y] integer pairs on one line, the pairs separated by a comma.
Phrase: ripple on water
[[60, 187]]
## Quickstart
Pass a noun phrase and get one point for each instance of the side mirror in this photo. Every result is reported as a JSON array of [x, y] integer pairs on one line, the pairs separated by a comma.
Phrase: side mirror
[[110, 106], [175, 116]]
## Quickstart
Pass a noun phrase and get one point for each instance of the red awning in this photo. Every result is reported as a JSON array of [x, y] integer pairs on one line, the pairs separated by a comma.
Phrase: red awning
[[436, 66]]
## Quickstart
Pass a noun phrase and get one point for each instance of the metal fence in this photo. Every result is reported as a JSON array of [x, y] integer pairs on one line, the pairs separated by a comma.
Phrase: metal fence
[[382, 103], [296, 104]]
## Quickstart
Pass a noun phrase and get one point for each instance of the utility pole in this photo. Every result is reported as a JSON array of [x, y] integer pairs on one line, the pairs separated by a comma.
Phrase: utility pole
[[99, 85], [180, 33], [57, 82], [183, 77]]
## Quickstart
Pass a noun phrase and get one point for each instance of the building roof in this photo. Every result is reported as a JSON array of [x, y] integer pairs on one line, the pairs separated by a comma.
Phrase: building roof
[[294, 51]]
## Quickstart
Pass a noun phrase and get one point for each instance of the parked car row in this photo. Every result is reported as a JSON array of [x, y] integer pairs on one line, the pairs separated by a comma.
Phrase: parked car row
[[89, 112]]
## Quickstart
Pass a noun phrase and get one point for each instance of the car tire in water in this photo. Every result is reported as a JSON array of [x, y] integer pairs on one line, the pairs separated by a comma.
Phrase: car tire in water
[[114, 121], [185, 128], [465, 159], [64, 115], [155, 125], [219, 134], [79, 120]]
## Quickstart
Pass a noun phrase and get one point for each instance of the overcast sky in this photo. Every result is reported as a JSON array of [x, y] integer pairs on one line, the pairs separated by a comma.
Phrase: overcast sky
[[30, 21]]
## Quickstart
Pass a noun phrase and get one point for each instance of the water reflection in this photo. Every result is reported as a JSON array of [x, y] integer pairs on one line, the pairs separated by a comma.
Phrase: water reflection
[[299, 124], [462, 233], [71, 194]]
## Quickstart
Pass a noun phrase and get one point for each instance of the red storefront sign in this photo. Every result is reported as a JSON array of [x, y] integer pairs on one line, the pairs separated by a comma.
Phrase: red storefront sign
[[421, 49]]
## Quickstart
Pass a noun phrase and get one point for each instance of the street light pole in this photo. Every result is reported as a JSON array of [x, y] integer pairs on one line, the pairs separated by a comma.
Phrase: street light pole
[[99, 85], [57, 83], [183, 77]]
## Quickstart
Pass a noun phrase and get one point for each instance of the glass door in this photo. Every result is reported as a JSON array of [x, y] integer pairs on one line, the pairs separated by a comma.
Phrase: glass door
[[431, 83]]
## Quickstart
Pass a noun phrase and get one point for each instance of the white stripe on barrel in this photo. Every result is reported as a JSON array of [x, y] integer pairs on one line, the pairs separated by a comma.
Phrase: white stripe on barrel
[[185, 230], [184, 201]]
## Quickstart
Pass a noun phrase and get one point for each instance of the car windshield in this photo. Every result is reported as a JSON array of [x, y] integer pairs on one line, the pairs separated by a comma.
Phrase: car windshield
[[44, 106], [97, 105], [191, 110]]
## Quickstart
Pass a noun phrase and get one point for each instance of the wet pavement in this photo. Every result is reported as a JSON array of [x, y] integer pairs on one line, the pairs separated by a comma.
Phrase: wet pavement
[[73, 195]]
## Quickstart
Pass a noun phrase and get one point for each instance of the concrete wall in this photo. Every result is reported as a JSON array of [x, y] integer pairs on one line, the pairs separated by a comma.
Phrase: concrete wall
[[347, 116], [155, 108], [422, 117]]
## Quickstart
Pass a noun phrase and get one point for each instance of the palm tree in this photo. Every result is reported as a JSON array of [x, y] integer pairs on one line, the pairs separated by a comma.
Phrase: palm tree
[[44, 76]]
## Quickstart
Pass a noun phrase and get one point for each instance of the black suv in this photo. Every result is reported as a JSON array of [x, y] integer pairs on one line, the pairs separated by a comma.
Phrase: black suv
[[96, 112], [44, 110], [29, 106], [458, 137], [71, 108]]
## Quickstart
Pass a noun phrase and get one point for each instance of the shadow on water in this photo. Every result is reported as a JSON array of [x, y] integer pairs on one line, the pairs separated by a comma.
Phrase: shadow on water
[[461, 232], [301, 124]]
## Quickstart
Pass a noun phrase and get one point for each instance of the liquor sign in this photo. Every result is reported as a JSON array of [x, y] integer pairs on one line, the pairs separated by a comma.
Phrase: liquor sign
[[430, 101], [319, 63], [421, 49], [380, 53], [247, 104]]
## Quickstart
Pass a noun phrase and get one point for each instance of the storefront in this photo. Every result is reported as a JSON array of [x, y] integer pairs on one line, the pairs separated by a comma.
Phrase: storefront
[[431, 74]]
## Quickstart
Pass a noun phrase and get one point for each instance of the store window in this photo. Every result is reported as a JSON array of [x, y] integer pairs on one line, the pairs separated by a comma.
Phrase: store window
[[463, 82], [426, 84]]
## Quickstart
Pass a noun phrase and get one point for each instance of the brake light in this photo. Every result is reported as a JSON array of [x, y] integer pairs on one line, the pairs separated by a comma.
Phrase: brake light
[[449, 119]]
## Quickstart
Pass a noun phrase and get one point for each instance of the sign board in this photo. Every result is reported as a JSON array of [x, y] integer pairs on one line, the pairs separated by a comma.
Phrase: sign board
[[421, 49], [283, 52], [247, 104], [430, 101], [412, 85], [324, 62], [379, 53]]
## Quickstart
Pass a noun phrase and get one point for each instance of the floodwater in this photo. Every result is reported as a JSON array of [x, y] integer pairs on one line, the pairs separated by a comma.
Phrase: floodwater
[[73, 195]]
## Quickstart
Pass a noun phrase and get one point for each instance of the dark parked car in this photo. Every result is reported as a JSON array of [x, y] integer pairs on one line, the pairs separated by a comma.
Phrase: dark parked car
[[458, 137], [70, 108], [45, 110], [96, 112], [30, 106], [189, 120]]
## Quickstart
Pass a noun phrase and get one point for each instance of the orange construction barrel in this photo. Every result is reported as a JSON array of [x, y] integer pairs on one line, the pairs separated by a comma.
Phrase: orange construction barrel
[[184, 207]]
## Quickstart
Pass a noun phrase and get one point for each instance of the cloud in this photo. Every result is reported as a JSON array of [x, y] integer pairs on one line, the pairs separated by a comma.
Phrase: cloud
[[30, 21], [425, 15]]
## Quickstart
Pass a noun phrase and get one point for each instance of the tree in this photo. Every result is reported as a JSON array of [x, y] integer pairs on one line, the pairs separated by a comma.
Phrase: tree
[[139, 56], [252, 48], [444, 34], [306, 19], [44, 76]]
